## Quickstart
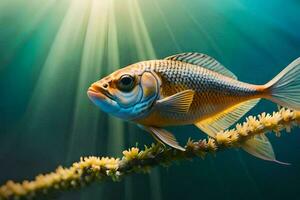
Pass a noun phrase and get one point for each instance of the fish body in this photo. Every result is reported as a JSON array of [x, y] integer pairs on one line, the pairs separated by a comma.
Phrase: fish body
[[191, 88], [213, 92]]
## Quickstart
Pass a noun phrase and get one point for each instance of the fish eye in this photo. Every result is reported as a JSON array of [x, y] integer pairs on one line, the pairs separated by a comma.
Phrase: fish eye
[[126, 83]]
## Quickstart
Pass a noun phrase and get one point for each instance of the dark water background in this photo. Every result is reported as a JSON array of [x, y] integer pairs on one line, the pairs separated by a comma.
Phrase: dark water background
[[51, 51]]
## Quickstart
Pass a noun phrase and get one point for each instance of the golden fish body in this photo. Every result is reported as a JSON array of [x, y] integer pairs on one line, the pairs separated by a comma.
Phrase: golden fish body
[[214, 92]]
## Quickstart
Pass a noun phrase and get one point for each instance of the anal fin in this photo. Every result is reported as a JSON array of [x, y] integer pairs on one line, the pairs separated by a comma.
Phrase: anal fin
[[225, 119]]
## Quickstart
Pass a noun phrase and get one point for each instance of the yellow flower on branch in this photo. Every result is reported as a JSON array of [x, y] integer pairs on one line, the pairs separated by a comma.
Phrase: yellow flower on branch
[[131, 153]]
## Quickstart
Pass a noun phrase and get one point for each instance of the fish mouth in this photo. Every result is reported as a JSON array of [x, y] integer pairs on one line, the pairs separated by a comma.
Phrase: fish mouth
[[96, 92], [102, 99], [92, 89]]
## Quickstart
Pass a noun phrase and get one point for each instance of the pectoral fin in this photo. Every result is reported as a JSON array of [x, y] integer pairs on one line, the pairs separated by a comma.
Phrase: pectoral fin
[[163, 136], [177, 103], [261, 147]]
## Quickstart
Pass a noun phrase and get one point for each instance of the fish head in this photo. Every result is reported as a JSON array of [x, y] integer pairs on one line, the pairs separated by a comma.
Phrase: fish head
[[128, 93]]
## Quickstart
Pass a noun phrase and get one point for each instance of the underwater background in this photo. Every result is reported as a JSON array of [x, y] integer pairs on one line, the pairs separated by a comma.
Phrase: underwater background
[[52, 50]]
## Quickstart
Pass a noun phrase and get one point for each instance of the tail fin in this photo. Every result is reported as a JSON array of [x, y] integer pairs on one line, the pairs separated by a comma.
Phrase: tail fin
[[285, 87]]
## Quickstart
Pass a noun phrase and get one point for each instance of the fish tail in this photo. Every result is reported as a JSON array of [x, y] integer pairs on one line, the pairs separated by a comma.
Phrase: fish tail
[[284, 89]]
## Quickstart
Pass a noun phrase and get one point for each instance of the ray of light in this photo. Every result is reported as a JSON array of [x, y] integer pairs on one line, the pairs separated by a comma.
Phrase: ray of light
[[86, 115], [115, 125], [32, 13], [55, 83], [142, 39], [167, 25]]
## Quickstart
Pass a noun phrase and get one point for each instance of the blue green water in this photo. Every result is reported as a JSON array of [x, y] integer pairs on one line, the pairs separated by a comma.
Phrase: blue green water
[[52, 50]]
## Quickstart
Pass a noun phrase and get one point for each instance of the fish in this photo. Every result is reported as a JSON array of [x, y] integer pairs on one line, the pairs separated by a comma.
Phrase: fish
[[191, 88]]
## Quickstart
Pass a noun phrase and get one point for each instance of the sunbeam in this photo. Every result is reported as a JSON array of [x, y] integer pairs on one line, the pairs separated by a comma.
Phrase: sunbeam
[[93, 56], [58, 75], [32, 13], [115, 126], [167, 25], [142, 39]]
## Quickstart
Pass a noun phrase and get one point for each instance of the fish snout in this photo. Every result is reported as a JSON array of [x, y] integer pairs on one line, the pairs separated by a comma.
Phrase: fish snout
[[98, 89]]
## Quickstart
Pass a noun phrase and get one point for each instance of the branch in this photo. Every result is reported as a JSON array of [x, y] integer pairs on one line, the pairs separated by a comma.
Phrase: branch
[[92, 169]]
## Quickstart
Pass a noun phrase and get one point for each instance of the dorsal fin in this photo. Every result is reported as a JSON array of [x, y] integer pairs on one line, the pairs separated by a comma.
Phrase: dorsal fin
[[202, 60]]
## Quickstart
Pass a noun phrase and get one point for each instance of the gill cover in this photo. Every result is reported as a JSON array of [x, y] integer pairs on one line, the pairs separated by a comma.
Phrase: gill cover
[[150, 85]]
